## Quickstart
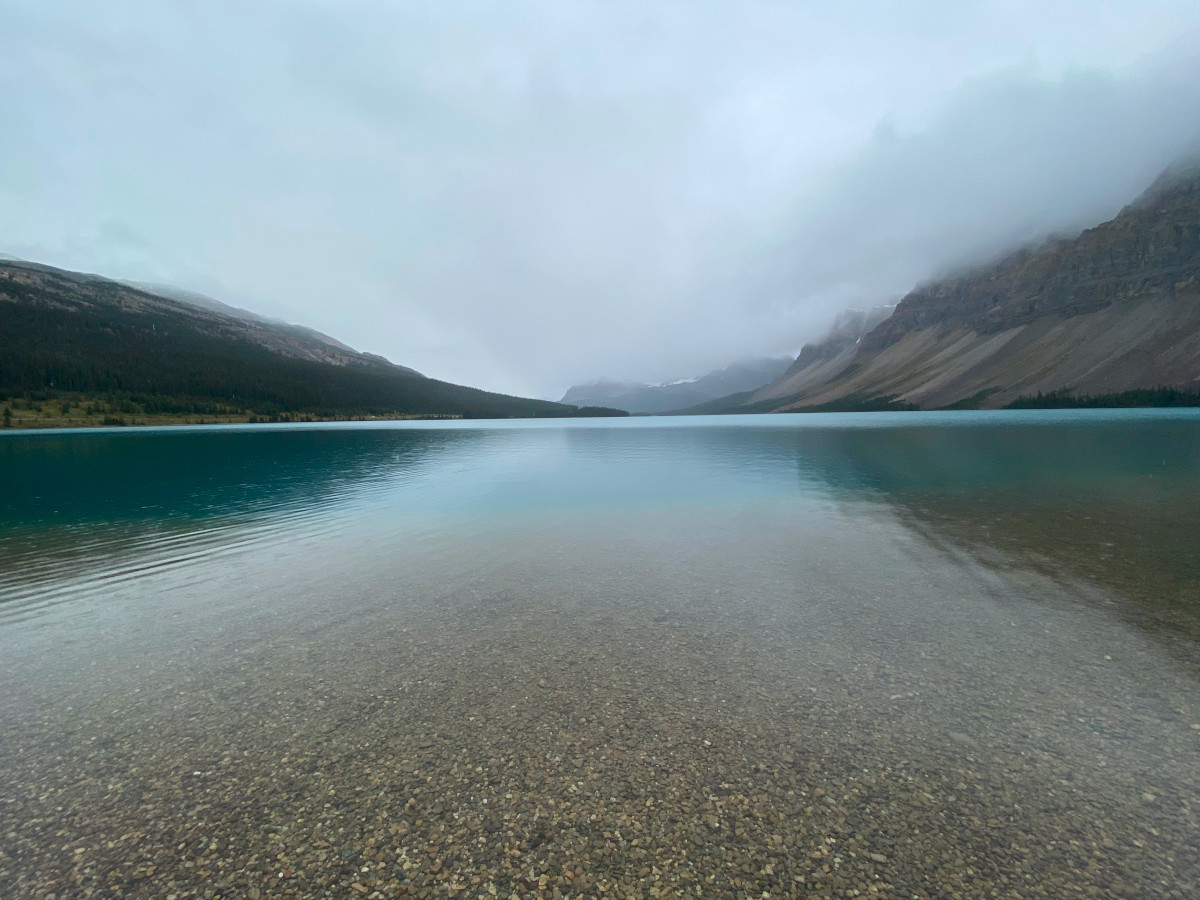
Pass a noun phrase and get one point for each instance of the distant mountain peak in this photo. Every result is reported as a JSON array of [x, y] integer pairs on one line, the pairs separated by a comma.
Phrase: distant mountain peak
[[638, 397]]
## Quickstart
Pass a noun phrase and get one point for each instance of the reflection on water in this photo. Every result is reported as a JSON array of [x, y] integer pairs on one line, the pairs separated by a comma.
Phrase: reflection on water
[[1115, 501], [1110, 497], [84, 509], [910, 655]]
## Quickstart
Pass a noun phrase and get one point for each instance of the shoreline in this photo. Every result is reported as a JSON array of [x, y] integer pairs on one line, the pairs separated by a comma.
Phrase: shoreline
[[154, 421], [52, 422]]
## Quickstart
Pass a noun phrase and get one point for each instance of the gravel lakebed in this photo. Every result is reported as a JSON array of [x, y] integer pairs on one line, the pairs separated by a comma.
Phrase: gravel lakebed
[[508, 747]]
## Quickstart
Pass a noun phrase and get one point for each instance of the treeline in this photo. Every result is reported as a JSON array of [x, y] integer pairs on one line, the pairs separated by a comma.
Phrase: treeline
[[129, 404], [595, 412], [160, 362], [1139, 397]]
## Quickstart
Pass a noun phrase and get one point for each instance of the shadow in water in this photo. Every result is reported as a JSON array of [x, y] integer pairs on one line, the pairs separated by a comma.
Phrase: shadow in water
[[79, 479], [101, 505], [1115, 503]]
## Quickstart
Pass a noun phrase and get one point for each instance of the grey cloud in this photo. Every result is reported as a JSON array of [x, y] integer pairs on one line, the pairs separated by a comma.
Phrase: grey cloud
[[1011, 158], [525, 195]]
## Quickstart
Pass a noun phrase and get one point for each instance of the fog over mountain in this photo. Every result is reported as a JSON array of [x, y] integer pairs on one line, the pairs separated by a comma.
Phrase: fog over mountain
[[523, 197]]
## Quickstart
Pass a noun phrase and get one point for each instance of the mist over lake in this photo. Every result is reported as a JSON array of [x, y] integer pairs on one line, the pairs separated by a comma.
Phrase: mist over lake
[[922, 654]]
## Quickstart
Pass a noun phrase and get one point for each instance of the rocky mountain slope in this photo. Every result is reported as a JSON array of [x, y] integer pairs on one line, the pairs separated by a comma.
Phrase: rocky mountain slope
[[1113, 310], [298, 338], [71, 334], [636, 397], [62, 289], [848, 329]]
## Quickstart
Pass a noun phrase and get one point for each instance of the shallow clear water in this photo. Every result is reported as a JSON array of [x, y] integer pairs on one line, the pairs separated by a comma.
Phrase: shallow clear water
[[911, 655]]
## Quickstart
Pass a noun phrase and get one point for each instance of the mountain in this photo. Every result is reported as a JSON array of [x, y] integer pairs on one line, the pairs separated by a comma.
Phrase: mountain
[[73, 336], [848, 329], [1111, 315], [603, 390], [273, 326], [662, 398]]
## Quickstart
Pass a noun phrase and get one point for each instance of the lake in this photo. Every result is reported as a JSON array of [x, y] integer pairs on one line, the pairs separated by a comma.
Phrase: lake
[[902, 655]]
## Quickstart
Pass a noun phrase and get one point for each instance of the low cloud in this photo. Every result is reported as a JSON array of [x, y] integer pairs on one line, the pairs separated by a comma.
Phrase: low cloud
[[1011, 158], [523, 196]]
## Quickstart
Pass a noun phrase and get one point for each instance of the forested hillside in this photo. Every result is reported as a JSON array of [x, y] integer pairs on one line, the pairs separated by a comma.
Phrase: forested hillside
[[99, 345]]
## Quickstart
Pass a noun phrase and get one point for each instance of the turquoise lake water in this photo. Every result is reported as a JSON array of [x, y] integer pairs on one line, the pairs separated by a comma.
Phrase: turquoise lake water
[[918, 654]]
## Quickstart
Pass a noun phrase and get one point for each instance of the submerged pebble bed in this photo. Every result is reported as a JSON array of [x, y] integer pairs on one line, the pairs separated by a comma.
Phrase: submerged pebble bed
[[507, 749], [628, 662]]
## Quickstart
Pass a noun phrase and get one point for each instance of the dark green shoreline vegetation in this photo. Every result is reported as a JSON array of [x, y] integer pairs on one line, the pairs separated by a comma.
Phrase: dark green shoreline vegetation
[[42, 410], [1142, 397], [82, 350], [1159, 397], [975, 401], [83, 410]]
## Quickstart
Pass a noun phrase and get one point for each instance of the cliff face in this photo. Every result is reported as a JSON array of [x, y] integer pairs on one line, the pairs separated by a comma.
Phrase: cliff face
[[1114, 309], [848, 330], [824, 358]]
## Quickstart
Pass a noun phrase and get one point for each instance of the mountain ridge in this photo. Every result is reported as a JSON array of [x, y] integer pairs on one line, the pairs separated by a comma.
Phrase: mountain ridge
[[129, 351], [195, 298], [1112, 310]]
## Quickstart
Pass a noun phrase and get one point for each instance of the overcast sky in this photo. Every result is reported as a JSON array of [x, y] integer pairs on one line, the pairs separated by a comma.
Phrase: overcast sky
[[524, 195]]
